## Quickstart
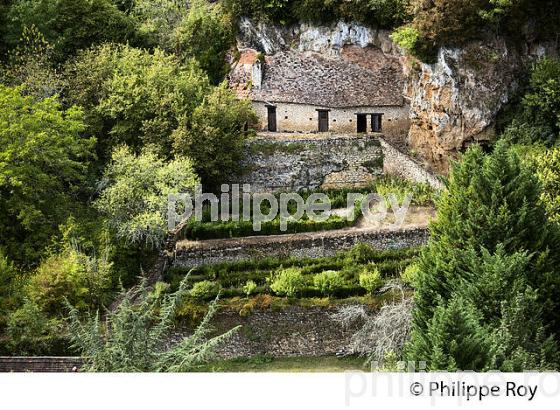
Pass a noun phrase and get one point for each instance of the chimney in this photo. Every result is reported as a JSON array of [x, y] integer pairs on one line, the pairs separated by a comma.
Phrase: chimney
[[257, 75]]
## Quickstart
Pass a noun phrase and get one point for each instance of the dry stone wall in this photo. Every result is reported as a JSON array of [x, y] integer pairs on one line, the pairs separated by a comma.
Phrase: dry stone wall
[[315, 245], [293, 331], [297, 162], [399, 164]]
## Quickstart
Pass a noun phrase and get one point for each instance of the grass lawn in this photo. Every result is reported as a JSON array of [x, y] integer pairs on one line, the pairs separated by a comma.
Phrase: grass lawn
[[261, 364]]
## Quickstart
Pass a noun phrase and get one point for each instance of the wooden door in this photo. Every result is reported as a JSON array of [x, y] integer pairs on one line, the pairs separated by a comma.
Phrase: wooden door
[[362, 123], [377, 122], [323, 121], [272, 119]]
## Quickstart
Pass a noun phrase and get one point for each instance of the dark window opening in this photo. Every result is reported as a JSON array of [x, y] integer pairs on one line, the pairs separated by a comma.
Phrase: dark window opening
[[362, 123], [376, 122], [271, 118], [323, 120]]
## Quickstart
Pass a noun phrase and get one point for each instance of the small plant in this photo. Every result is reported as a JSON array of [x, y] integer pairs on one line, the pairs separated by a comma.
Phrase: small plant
[[249, 288], [288, 282], [328, 282], [410, 275], [359, 254], [204, 290], [406, 37], [370, 280]]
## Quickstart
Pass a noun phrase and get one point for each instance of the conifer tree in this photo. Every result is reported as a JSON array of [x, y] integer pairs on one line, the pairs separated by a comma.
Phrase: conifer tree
[[491, 248]]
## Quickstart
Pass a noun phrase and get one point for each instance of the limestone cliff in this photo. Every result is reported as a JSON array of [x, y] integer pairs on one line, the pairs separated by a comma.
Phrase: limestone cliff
[[329, 40], [454, 102]]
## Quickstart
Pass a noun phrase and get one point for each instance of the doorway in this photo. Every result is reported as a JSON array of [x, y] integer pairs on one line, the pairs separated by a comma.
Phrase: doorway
[[376, 122], [271, 118], [323, 120], [362, 123]]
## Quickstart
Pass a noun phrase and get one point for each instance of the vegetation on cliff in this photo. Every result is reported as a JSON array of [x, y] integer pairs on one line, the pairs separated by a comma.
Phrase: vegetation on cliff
[[106, 106]]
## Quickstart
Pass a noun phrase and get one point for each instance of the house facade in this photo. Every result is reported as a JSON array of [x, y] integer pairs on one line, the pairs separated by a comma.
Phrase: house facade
[[360, 91]]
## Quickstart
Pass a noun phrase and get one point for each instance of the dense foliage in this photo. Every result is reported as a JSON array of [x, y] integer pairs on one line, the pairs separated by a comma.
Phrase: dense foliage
[[215, 136], [70, 25], [132, 336], [135, 191], [43, 162], [134, 97], [492, 242], [105, 106], [206, 34], [384, 13]]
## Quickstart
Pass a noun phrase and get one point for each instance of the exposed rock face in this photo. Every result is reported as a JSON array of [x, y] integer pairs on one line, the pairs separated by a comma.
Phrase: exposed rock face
[[327, 40], [454, 102]]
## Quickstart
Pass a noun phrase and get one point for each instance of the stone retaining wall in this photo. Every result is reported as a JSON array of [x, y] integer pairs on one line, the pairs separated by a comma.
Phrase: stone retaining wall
[[314, 245], [292, 331], [399, 164], [296, 162], [40, 364]]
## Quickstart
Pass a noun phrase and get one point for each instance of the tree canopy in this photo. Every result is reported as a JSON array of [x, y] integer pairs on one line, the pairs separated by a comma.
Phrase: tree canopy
[[43, 161]]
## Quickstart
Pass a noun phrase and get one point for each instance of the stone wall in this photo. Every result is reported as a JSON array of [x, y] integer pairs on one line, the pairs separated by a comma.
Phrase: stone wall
[[296, 162], [304, 118], [401, 165], [292, 331], [313, 245], [40, 364]]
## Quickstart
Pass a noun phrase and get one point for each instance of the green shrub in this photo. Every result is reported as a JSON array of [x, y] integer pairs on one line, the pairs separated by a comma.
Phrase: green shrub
[[410, 275], [204, 290], [83, 281], [406, 37], [31, 332], [370, 280], [359, 254], [328, 282], [288, 282], [249, 288]]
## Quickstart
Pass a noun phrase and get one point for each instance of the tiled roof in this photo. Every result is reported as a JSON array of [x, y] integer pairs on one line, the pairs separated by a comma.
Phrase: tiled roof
[[359, 77]]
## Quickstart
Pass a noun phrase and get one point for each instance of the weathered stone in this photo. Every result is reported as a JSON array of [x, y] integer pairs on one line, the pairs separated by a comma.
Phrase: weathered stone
[[328, 243], [293, 331], [295, 162], [454, 102], [402, 165]]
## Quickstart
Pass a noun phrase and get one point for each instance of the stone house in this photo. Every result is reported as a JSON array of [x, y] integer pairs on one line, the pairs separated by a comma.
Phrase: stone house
[[358, 91]]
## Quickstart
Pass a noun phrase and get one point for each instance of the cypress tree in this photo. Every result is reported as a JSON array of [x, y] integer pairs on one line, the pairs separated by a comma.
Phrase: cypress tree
[[491, 247]]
